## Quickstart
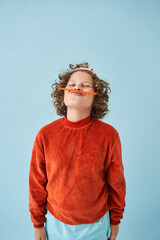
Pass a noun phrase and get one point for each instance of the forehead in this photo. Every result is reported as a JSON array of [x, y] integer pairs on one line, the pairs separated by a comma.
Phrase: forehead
[[82, 76]]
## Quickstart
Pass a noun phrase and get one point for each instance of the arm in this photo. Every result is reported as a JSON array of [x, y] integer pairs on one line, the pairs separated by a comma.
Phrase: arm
[[116, 186], [37, 184]]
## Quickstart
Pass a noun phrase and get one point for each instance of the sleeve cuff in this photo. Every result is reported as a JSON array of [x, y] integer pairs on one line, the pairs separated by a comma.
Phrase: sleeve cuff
[[114, 222], [39, 225]]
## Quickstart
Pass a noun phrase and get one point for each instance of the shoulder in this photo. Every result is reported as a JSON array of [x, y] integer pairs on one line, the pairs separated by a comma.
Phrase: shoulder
[[48, 128], [107, 128]]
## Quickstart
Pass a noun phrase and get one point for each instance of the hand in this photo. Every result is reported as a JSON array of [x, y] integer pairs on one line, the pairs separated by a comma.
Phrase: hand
[[40, 233], [114, 232]]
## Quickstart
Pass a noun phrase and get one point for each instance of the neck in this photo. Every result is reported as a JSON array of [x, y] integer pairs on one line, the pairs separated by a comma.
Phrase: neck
[[75, 115]]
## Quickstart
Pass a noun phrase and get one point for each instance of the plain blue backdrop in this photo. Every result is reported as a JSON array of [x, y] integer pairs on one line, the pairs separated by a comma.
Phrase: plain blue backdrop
[[120, 39]]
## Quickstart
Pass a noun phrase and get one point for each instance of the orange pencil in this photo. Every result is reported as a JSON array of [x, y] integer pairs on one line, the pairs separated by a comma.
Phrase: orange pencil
[[77, 90]]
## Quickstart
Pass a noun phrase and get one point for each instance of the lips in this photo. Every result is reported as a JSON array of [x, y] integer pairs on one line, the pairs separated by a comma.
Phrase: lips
[[77, 93]]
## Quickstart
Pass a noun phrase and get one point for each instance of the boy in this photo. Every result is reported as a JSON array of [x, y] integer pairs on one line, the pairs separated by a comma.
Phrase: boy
[[76, 176]]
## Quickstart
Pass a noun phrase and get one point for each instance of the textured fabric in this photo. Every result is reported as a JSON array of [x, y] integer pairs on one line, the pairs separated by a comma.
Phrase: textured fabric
[[76, 172], [57, 230]]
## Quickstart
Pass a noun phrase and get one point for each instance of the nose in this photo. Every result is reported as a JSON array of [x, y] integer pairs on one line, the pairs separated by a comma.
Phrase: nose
[[77, 89]]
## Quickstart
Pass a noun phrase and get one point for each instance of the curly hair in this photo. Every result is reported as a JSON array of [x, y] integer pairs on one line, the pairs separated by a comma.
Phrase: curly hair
[[100, 103]]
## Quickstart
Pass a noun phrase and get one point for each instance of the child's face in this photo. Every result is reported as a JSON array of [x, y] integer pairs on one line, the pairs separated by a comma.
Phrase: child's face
[[79, 81]]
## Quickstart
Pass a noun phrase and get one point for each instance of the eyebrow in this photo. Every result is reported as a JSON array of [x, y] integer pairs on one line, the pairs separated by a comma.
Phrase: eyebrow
[[75, 80]]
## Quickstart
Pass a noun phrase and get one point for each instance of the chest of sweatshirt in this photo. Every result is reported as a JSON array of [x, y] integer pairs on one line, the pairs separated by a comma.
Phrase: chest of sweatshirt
[[83, 151]]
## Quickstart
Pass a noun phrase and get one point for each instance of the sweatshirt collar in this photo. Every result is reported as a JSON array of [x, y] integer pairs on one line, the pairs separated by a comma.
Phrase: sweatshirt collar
[[77, 124]]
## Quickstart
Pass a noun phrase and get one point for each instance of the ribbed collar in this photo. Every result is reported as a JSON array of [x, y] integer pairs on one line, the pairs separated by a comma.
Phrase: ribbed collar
[[77, 124]]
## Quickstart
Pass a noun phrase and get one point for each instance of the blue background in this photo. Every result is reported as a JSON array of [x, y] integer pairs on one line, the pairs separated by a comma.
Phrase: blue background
[[121, 40]]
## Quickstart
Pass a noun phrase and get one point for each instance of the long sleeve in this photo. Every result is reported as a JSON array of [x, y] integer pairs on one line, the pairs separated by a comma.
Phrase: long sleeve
[[37, 184], [116, 183]]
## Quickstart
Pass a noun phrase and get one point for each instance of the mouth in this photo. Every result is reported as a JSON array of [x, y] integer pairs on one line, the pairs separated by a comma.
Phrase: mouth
[[77, 93]]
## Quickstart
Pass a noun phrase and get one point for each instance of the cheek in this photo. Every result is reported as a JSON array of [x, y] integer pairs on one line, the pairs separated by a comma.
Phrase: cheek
[[93, 99], [66, 95], [90, 99]]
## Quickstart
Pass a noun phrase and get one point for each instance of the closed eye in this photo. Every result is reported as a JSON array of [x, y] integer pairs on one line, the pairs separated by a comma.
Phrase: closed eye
[[74, 84]]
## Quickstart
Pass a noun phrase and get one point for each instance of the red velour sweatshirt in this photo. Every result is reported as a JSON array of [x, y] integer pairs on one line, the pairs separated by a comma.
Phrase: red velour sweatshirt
[[76, 172]]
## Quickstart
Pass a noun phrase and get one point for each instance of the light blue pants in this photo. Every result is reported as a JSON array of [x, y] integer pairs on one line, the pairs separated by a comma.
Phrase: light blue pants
[[57, 230]]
